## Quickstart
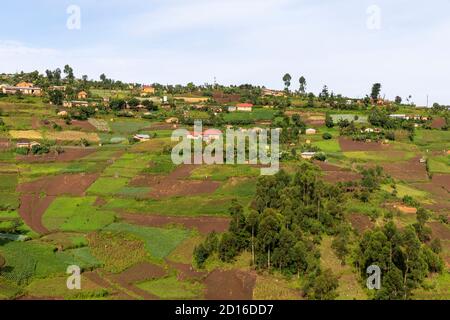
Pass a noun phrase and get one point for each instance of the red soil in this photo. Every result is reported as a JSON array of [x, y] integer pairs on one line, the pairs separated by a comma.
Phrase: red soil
[[361, 222], [439, 230], [348, 145], [230, 285], [438, 123], [411, 171], [335, 174], [36, 196], [138, 273], [175, 185], [205, 225], [185, 271]]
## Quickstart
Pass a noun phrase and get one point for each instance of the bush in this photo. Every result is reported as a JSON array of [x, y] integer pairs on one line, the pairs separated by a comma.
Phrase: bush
[[22, 151], [320, 156], [327, 136]]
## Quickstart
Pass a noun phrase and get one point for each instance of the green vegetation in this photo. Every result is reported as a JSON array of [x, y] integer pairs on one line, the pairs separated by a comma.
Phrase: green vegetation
[[158, 242], [171, 288], [76, 214]]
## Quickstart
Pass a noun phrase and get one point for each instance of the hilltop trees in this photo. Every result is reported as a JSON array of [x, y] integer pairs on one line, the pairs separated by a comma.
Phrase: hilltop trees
[[375, 93], [287, 81], [403, 260], [302, 88]]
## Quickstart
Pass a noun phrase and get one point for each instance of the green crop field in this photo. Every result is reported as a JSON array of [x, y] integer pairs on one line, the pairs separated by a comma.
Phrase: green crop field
[[76, 214], [158, 242]]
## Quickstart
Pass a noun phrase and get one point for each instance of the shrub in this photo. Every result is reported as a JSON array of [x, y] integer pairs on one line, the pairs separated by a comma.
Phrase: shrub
[[327, 136]]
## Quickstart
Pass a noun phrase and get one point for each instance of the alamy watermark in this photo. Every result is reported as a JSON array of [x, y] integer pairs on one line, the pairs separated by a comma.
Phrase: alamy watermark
[[374, 279], [74, 280], [74, 19], [243, 146], [373, 21]]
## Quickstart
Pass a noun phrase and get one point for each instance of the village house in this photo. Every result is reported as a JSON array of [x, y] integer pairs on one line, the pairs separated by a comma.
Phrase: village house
[[308, 155], [212, 134], [27, 144], [25, 88], [57, 88], [270, 92], [399, 116], [172, 120], [70, 104], [245, 107], [142, 137], [192, 135], [311, 131], [147, 90], [82, 95], [232, 109]]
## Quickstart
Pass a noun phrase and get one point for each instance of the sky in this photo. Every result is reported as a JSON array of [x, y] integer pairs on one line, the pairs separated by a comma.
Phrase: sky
[[345, 44]]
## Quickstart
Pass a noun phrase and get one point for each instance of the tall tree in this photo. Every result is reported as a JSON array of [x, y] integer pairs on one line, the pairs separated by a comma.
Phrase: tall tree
[[68, 71], [287, 81], [302, 81], [376, 89]]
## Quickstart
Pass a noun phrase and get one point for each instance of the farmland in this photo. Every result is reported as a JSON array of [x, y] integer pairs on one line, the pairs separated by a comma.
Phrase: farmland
[[93, 196]]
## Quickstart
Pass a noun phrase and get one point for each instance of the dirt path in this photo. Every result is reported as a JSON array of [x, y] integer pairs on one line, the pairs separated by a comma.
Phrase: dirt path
[[205, 225]]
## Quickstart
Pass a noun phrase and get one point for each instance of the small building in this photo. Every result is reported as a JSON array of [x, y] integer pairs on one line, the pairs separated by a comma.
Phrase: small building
[[27, 144], [70, 104], [369, 130], [57, 88], [142, 137], [147, 90], [423, 160], [232, 109], [399, 116], [311, 131], [245, 107], [308, 155], [194, 135], [172, 120], [274, 93], [82, 95], [212, 134], [24, 84], [63, 114], [25, 88]]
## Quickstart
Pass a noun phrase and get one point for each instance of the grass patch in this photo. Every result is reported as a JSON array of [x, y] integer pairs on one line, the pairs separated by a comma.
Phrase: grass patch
[[171, 288], [158, 242], [224, 172], [76, 214], [118, 251], [108, 186]]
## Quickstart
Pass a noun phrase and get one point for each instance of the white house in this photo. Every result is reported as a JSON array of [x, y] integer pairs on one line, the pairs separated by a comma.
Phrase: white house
[[311, 131], [245, 107], [142, 137], [212, 134], [308, 155]]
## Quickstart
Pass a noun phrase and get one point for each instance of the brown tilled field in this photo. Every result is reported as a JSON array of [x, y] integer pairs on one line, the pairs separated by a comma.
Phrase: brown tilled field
[[230, 285], [33, 204], [360, 222], [348, 145], [411, 170], [175, 184], [335, 174]]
